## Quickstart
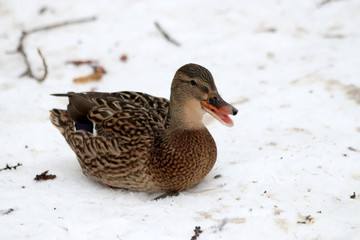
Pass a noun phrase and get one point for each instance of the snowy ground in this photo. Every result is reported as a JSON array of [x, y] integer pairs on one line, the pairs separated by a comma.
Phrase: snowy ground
[[288, 167]]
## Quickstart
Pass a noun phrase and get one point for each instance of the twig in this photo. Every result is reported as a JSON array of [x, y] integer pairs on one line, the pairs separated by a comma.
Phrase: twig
[[197, 232], [353, 196], [324, 2], [165, 195], [166, 35], [7, 211], [8, 167], [44, 64], [352, 149], [61, 24], [308, 219], [20, 48], [222, 224], [28, 71]]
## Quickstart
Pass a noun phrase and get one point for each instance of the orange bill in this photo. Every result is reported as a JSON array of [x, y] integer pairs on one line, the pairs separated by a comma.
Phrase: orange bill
[[219, 109]]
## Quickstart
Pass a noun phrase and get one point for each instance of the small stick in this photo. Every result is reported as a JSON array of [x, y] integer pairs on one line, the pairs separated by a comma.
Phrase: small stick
[[165, 195], [28, 71], [24, 34], [222, 224], [8, 167], [324, 2], [166, 35], [61, 24], [44, 64], [7, 211]]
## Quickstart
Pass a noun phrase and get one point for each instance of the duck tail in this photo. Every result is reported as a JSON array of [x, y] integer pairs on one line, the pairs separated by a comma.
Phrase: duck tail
[[77, 110], [61, 120]]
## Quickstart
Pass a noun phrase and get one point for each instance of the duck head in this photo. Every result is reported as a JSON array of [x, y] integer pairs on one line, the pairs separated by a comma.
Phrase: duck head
[[194, 93]]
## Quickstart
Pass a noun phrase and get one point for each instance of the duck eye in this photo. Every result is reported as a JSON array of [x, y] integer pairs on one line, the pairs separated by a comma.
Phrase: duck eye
[[192, 82]]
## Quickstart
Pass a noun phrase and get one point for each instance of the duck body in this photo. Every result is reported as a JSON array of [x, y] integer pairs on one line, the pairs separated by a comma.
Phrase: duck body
[[145, 143], [178, 165]]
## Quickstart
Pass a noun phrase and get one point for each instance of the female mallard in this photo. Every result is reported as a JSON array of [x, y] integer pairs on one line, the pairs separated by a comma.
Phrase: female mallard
[[146, 143]]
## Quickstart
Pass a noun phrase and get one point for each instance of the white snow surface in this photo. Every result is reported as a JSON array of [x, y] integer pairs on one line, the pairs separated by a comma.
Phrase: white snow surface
[[288, 167]]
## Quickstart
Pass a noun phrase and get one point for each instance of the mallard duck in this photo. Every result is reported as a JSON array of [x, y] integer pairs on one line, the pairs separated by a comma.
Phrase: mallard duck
[[136, 141]]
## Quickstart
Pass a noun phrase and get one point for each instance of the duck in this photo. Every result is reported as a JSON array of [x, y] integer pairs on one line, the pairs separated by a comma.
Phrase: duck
[[136, 141]]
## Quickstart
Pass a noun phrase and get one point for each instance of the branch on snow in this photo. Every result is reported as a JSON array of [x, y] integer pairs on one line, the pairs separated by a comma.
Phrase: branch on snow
[[324, 2], [20, 48], [166, 35], [8, 167]]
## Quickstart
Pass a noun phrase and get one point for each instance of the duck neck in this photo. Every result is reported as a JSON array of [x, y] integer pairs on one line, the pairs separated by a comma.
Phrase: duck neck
[[186, 115]]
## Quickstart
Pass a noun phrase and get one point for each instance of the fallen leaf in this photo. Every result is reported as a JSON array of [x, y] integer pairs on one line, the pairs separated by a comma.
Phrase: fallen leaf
[[44, 176]]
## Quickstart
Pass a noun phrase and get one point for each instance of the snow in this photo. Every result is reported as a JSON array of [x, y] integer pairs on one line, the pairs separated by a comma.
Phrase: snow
[[288, 167]]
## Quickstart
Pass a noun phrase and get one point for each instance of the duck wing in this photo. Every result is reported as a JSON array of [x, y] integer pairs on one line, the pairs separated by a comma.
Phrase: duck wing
[[131, 114], [159, 107]]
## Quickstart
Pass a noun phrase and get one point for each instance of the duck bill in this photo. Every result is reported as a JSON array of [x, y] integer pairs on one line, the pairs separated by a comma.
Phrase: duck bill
[[219, 109]]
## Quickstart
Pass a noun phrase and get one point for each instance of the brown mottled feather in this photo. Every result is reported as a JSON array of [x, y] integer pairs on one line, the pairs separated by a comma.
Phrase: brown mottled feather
[[135, 147]]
